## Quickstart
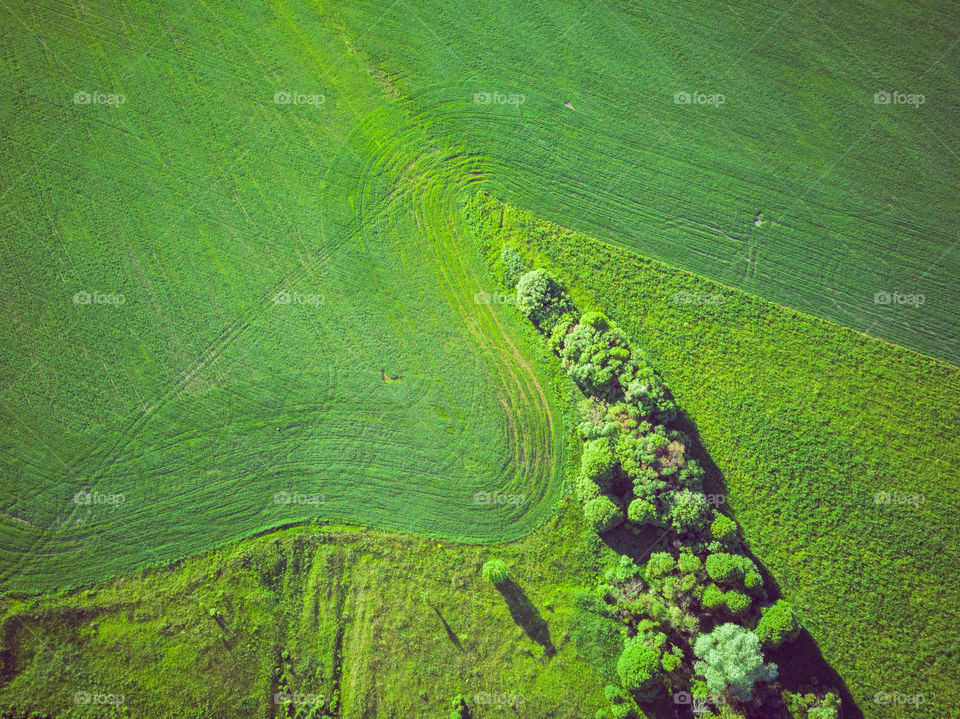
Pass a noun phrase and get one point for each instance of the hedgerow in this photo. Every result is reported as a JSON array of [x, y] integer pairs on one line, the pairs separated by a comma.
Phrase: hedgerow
[[635, 471]]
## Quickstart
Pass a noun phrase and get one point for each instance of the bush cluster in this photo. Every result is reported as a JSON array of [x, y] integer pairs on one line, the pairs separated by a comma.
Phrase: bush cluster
[[634, 472]]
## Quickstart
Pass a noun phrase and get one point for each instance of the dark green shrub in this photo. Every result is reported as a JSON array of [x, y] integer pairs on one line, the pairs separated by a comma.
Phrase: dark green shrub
[[541, 298], [642, 512], [603, 513], [723, 529], [777, 625], [597, 463], [495, 571], [639, 669]]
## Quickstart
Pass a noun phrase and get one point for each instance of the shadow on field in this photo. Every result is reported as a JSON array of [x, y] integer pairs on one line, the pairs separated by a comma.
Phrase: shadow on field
[[800, 662], [526, 615], [451, 635]]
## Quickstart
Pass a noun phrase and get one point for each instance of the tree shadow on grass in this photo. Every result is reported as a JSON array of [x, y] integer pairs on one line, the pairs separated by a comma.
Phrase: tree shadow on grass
[[451, 635], [526, 615], [800, 662]]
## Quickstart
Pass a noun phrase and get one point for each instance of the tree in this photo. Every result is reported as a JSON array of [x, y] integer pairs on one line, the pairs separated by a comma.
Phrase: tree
[[737, 602], [603, 513], [731, 660], [639, 668], [777, 625], [586, 489], [712, 597], [733, 569], [621, 703], [495, 571], [642, 512], [513, 265], [724, 529], [542, 300], [689, 512], [597, 463]]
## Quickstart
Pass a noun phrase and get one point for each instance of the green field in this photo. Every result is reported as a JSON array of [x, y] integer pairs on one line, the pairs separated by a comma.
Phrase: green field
[[798, 139], [382, 394], [800, 443], [255, 313]]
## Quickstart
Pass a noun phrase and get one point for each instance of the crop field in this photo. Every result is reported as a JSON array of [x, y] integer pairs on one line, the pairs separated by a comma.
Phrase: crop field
[[839, 464], [280, 324], [797, 187]]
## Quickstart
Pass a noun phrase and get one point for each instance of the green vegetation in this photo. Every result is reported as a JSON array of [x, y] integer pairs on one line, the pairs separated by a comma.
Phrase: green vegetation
[[301, 334], [634, 456], [799, 188], [799, 443], [495, 571], [777, 625], [313, 613], [230, 314], [730, 659]]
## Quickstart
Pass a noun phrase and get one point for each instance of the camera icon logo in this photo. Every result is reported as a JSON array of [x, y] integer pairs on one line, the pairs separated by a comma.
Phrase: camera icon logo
[[482, 298], [81, 98], [282, 97], [282, 298], [682, 98], [82, 698], [882, 298], [482, 98], [281, 498], [881, 98], [82, 298], [482, 497]]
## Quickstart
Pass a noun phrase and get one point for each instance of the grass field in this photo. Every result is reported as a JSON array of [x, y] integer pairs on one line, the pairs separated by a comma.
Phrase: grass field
[[335, 602], [299, 334], [800, 443], [798, 188]]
